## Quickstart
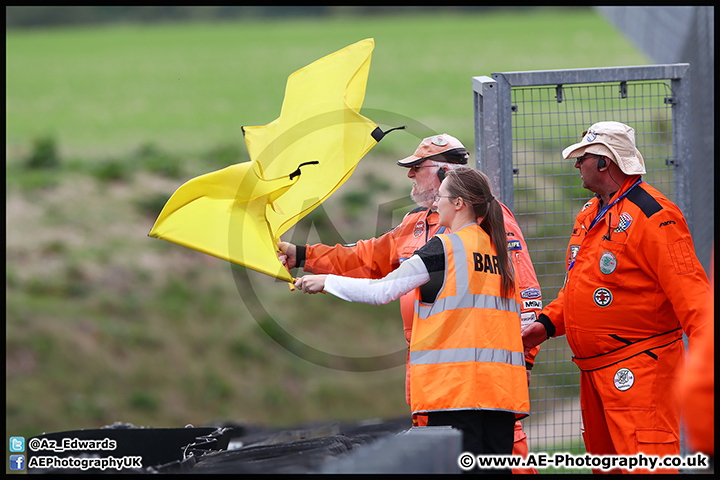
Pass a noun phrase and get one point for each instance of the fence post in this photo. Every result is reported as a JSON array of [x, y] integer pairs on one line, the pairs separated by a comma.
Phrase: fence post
[[681, 142], [491, 155]]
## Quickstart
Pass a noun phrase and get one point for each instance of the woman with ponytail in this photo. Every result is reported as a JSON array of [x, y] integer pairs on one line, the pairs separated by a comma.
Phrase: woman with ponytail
[[466, 353]]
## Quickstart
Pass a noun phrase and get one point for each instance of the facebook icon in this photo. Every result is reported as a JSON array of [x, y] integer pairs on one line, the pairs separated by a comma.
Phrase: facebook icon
[[17, 462]]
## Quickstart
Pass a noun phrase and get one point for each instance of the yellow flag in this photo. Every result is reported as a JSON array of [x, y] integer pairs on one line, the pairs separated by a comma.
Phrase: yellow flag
[[298, 160]]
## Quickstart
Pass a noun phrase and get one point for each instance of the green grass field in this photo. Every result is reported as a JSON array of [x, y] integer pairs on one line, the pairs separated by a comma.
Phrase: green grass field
[[190, 87], [105, 324]]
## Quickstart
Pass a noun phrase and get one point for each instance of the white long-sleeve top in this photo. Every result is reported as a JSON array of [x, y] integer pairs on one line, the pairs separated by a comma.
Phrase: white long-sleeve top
[[411, 274]]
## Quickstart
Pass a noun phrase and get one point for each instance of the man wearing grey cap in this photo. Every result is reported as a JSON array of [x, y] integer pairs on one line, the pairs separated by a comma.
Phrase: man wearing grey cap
[[633, 285], [377, 257]]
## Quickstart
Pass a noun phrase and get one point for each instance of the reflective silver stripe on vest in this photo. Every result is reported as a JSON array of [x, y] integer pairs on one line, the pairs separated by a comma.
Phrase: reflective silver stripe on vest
[[463, 298], [467, 301], [462, 276], [453, 355]]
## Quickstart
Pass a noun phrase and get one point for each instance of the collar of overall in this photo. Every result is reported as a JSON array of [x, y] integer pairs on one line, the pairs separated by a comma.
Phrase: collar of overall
[[604, 210]]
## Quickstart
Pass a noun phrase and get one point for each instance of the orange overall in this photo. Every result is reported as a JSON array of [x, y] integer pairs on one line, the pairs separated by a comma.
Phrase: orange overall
[[634, 284], [377, 257]]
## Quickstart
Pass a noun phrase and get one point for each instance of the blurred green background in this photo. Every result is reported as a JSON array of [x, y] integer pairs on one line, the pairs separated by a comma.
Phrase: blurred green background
[[105, 120]]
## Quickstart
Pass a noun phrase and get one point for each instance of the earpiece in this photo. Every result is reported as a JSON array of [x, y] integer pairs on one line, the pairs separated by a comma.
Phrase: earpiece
[[601, 163], [441, 173]]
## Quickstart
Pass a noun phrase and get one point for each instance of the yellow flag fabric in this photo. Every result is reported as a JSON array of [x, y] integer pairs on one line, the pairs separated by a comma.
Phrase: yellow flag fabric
[[223, 214], [319, 121], [298, 160]]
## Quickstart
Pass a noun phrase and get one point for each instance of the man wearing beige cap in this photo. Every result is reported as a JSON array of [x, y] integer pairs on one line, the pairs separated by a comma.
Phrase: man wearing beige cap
[[377, 257], [633, 285]]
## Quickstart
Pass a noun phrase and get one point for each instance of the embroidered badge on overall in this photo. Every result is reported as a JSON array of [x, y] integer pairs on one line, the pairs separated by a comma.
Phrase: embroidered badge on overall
[[572, 252], [625, 221], [623, 379], [602, 297], [419, 229], [532, 304], [514, 245], [530, 293], [608, 263], [527, 318]]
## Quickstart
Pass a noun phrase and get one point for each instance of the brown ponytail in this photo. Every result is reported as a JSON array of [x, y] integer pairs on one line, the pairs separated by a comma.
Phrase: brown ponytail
[[473, 187]]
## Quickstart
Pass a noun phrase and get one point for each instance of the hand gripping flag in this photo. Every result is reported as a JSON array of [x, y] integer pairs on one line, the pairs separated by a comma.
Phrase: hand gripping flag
[[297, 161]]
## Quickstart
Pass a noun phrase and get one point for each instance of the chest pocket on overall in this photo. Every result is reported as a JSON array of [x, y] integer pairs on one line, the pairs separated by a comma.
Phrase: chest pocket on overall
[[609, 256], [610, 253]]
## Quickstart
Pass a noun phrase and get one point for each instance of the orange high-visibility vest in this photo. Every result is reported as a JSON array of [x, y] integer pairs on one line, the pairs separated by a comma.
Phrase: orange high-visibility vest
[[466, 350]]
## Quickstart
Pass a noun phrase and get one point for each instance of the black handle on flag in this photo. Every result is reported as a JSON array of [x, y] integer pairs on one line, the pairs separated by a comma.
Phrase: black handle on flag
[[378, 134], [297, 172]]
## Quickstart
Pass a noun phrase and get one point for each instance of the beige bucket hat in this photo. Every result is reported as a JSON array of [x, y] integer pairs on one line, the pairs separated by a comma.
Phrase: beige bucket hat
[[614, 140], [440, 148]]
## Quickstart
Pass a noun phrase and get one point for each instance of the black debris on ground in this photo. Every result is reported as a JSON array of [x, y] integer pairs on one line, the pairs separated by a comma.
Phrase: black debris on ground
[[221, 449]]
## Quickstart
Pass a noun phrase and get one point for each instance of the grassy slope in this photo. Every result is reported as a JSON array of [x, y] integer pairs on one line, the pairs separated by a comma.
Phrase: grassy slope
[[105, 324]]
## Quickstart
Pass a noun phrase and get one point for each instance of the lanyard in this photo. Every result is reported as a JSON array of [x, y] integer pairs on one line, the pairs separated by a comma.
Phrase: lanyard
[[602, 213]]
